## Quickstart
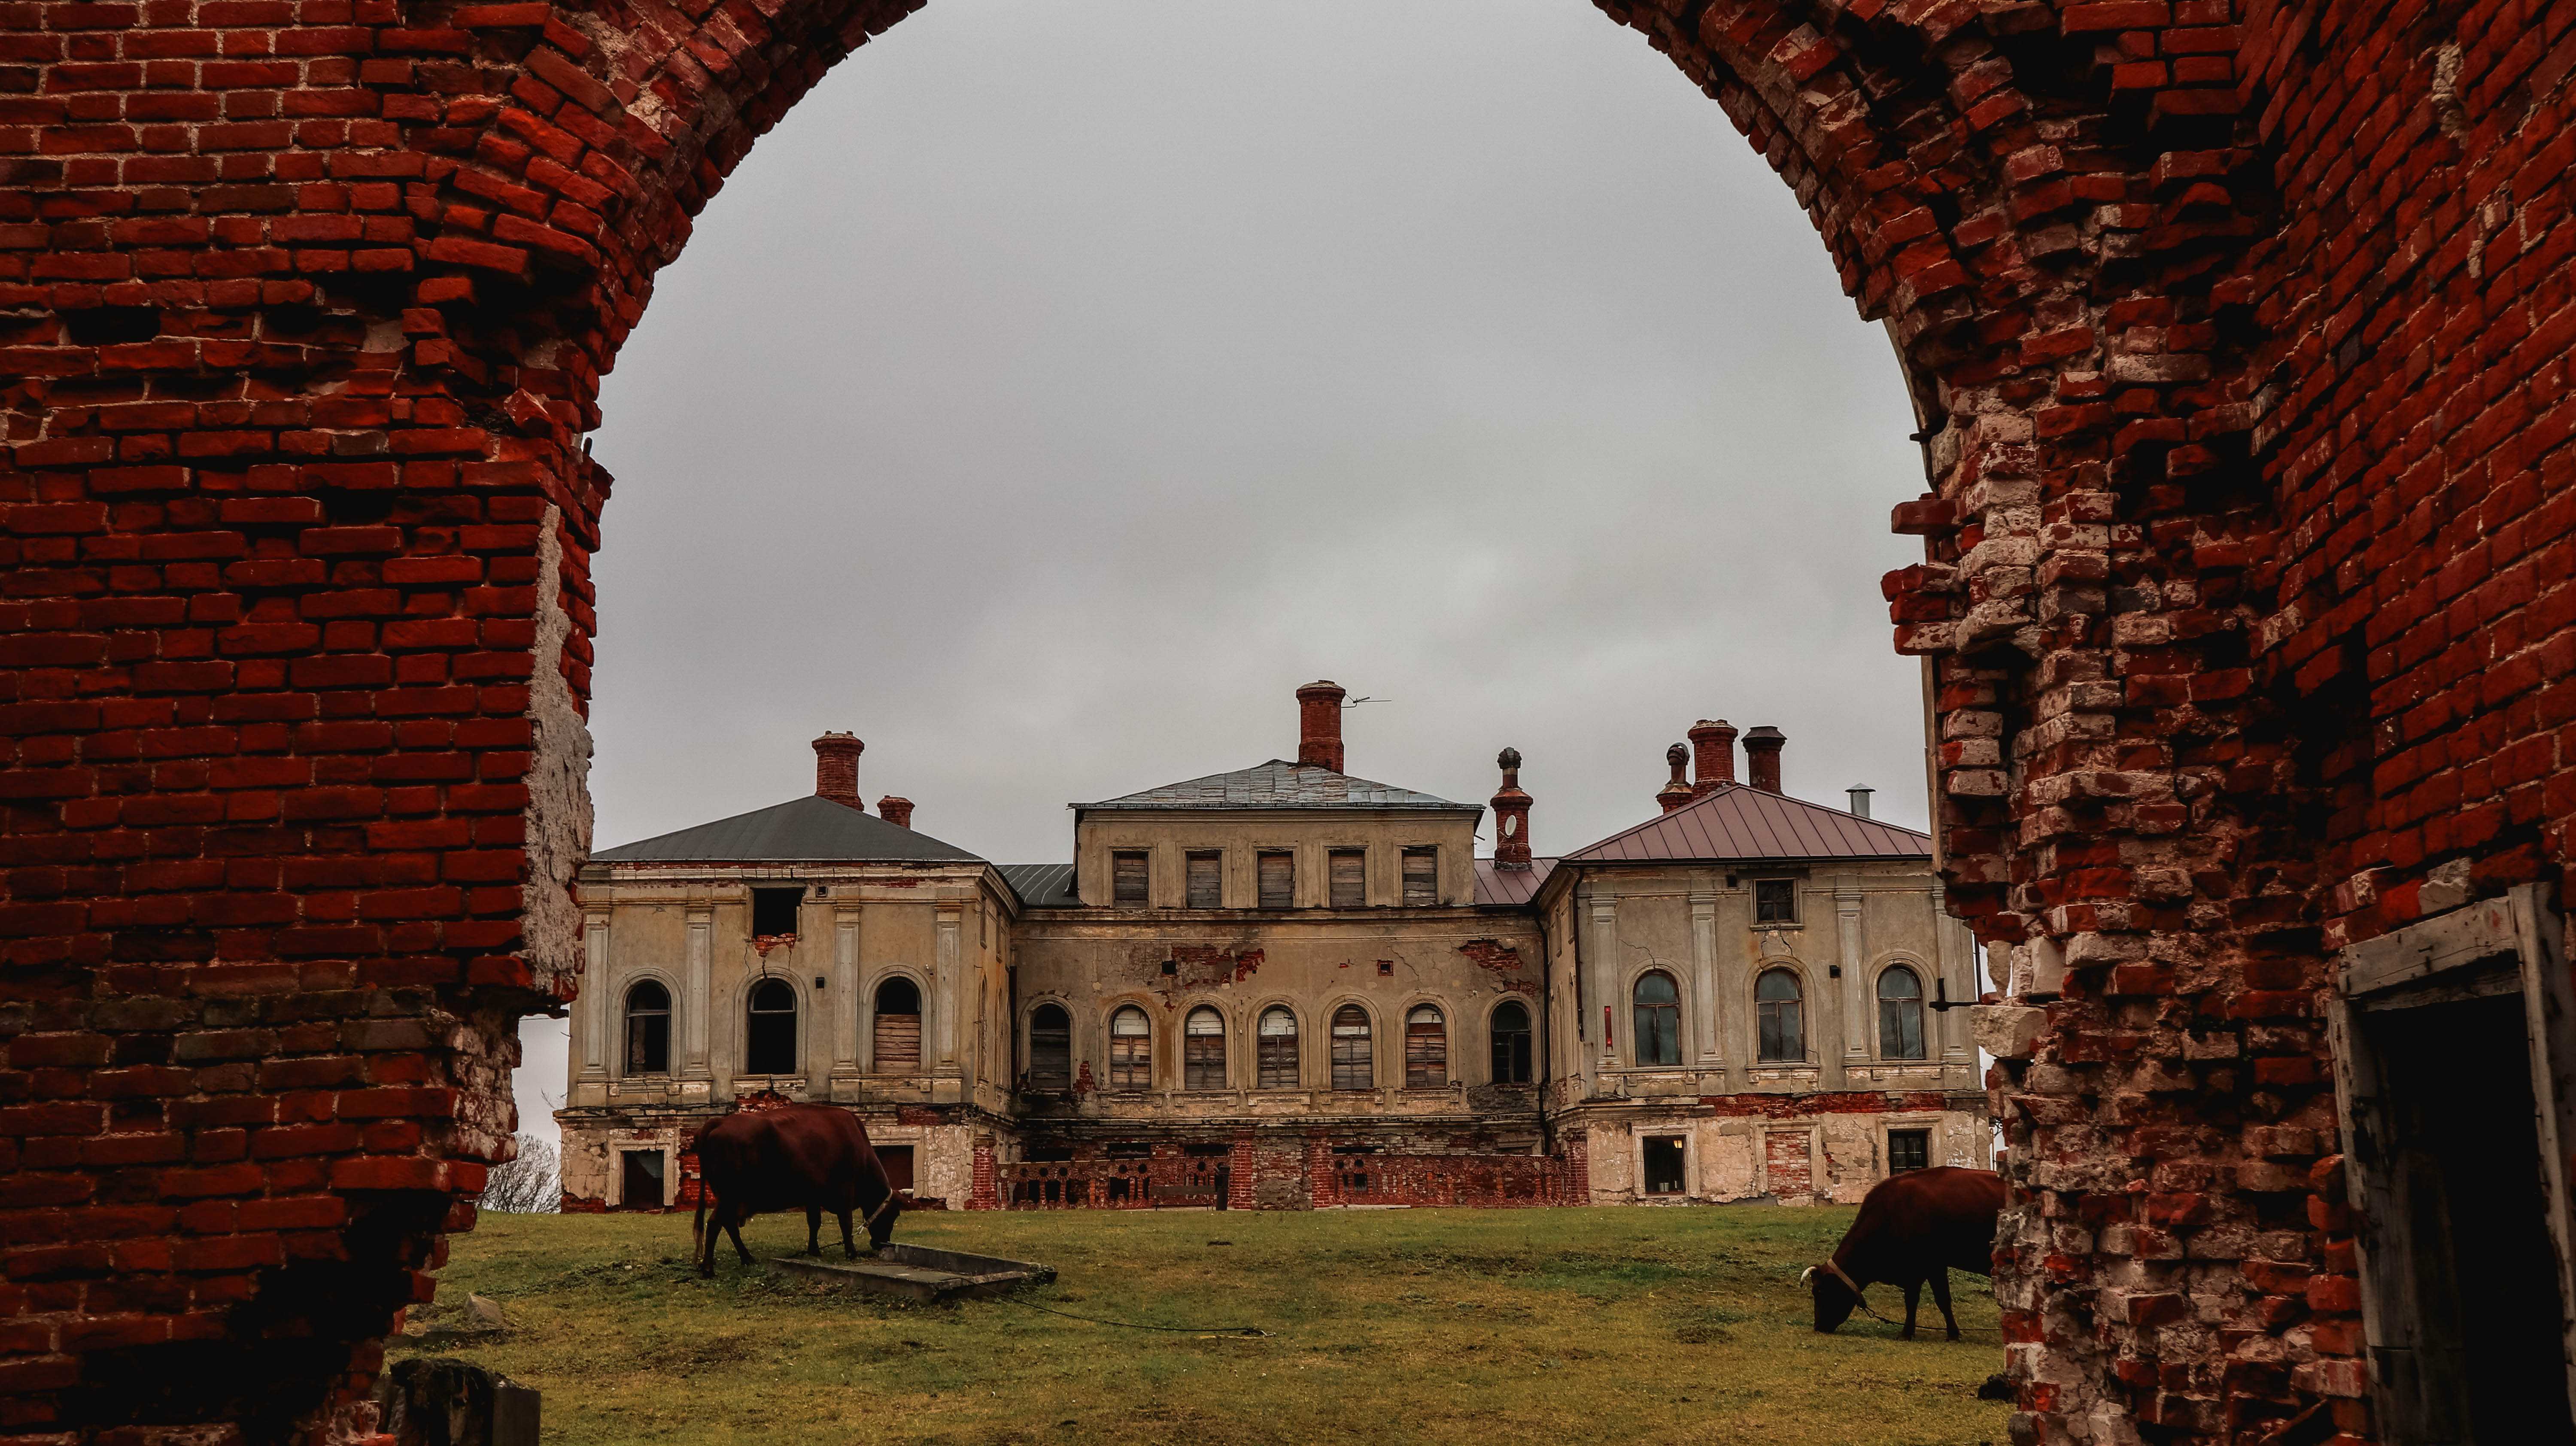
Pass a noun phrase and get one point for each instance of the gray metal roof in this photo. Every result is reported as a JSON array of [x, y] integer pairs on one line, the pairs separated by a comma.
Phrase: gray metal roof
[[1740, 822], [1281, 784], [1040, 886], [809, 829]]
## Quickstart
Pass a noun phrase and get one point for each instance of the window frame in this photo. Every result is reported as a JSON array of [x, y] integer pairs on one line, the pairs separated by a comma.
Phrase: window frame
[[1334, 896], [1267, 1067], [1143, 860], [1037, 1083], [1405, 877], [630, 1017], [1419, 1060], [1764, 1016], [1502, 1067], [878, 1061], [1921, 1027], [794, 1014], [1213, 896], [1666, 1022], [1919, 1133], [1360, 1049], [765, 898], [1286, 897], [1789, 887], [1202, 1051], [1131, 1066]]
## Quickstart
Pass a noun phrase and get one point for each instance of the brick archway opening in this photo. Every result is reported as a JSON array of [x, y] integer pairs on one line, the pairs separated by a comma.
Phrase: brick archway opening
[[305, 310]]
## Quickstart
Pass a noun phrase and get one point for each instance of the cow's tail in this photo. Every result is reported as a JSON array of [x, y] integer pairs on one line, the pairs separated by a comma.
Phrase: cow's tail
[[698, 1227]]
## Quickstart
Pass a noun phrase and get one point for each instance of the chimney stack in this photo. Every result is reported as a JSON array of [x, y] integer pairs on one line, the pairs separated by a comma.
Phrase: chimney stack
[[1511, 814], [896, 811], [1860, 799], [1713, 754], [1319, 725], [836, 769], [1762, 757], [1678, 792]]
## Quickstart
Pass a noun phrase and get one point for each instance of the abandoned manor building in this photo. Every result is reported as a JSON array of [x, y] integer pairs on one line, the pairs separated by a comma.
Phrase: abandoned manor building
[[1287, 987]]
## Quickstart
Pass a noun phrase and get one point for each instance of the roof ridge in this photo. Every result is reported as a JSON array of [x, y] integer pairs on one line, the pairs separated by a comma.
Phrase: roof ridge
[[1730, 789]]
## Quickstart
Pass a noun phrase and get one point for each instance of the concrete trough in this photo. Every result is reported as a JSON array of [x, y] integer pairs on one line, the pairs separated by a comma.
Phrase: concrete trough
[[917, 1272]]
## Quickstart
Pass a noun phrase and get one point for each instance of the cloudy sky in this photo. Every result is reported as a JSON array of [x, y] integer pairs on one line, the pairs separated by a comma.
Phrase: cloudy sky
[[1063, 384]]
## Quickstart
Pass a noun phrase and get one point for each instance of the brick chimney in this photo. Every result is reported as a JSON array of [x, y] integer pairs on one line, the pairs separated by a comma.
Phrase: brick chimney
[[1319, 725], [1713, 754], [1762, 757], [1678, 792], [896, 811], [836, 769], [1511, 814]]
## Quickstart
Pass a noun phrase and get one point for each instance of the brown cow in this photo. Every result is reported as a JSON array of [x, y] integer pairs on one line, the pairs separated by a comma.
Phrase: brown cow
[[1920, 1225], [809, 1157]]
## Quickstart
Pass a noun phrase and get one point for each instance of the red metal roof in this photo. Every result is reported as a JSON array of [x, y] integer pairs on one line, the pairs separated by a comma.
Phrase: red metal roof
[[1741, 822], [1510, 888]]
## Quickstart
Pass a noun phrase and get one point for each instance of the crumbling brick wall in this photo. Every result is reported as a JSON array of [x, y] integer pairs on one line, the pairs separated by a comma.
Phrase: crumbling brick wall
[[2238, 335]]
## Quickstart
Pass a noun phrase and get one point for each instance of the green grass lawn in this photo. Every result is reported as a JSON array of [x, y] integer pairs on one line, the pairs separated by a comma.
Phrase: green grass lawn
[[1469, 1326]]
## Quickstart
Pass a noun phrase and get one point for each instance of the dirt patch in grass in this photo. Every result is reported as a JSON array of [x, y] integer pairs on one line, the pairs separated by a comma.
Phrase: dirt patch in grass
[[1472, 1327]]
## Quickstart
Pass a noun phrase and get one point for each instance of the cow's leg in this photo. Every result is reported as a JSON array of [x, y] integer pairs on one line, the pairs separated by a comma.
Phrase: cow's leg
[[1941, 1298], [849, 1246], [1913, 1298], [733, 1227], [814, 1231]]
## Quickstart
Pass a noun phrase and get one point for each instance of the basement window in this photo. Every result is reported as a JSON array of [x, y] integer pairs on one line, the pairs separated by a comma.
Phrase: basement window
[[1908, 1150], [1663, 1160], [1207, 880], [1278, 879], [639, 1183], [1349, 878], [1127, 878], [1775, 901], [1421, 878], [773, 911]]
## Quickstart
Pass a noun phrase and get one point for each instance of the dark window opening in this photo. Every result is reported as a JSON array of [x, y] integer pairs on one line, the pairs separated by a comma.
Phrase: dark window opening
[[1203, 1050], [648, 1029], [1207, 881], [1780, 1001], [1349, 878], [1207, 1152], [898, 1027], [1900, 1014], [1775, 901], [1278, 880], [1278, 1048], [1663, 1165], [1127, 878], [897, 1160], [1421, 877], [769, 1029], [1131, 1050], [640, 1179], [1426, 1049], [1352, 1067], [1511, 1045], [1659, 1020], [773, 911], [1050, 1048], [1908, 1150], [1129, 1150]]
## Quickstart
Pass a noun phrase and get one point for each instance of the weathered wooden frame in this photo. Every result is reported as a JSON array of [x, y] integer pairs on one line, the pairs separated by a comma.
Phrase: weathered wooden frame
[[2512, 944]]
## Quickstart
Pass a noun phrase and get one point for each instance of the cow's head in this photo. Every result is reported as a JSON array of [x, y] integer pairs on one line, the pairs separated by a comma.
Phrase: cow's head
[[1834, 1300], [881, 1219]]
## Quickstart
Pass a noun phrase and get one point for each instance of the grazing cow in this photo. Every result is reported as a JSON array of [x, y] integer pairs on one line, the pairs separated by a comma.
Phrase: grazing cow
[[1920, 1225], [809, 1157]]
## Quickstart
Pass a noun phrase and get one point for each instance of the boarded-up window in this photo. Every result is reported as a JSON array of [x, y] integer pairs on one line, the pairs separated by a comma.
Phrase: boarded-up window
[[1127, 878], [1426, 1049], [1203, 1050], [1900, 1014], [1659, 1019], [648, 1029], [898, 1027], [1511, 1045], [1278, 880], [1207, 881], [1278, 1048], [1775, 901], [1352, 1067], [1421, 877], [1131, 1050], [769, 1029], [1908, 1150], [1349, 878], [1780, 1002], [1050, 1048]]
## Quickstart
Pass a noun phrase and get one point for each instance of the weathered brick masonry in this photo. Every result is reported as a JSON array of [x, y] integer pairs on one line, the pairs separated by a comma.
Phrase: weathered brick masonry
[[2239, 332]]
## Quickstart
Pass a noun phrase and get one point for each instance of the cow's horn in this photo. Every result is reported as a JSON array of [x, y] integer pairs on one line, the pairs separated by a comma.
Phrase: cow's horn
[[1807, 1276]]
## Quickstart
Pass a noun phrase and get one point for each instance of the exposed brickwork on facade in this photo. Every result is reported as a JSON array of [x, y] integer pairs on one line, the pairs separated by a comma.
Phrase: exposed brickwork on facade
[[2239, 331]]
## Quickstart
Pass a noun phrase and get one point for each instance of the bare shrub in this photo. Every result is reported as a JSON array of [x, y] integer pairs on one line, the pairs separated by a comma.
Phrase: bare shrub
[[530, 1183]]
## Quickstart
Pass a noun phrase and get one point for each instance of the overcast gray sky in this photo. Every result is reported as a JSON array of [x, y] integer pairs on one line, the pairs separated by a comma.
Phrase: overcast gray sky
[[1062, 384]]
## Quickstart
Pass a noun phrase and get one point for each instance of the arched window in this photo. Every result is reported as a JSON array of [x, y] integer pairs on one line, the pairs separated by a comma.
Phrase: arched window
[[1131, 1050], [1426, 1049], [769, 1029], [1781, 1003], [898, 1027], [1659, 1019], [1203, 1050], [1278, 1048], [1352, 1067], [1050, 1048], [1511, 1045], [648, 1029], [1900, 1014]]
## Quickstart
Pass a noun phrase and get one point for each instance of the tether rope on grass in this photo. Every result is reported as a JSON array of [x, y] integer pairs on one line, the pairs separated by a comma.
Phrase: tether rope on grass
[[1248, 1331]]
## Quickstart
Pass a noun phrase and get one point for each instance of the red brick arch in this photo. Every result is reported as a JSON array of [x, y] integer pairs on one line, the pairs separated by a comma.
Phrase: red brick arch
[[2239, 333]]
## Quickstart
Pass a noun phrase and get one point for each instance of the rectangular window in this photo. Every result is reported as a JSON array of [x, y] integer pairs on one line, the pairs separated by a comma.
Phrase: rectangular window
[[1775, 901], [1127, 878], [1663, 1161], [1908, 1150], [1207, 880], [1278, 880], [773, 911], [641, 1182], [1421, 877], [1349, 879]]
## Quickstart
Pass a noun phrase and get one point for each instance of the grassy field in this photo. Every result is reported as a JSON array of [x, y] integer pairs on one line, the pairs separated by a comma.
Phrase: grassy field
[[1682, 1325]]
